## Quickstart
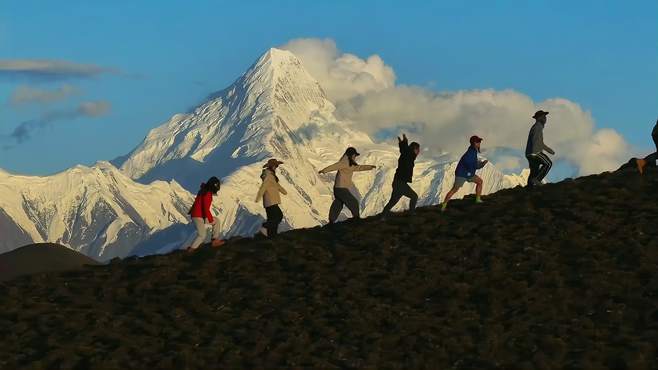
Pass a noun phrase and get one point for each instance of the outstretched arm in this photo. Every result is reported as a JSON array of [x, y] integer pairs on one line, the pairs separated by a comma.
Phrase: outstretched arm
[[334, 167], [364, 167]]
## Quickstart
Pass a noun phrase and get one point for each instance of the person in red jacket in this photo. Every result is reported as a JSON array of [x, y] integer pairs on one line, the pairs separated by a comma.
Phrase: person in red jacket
[[202, 215]]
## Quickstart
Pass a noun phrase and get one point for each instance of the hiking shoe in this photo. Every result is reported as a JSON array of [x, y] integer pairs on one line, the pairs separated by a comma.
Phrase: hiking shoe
[[478, 200], [216, 243], [444, 206], [641, 163]]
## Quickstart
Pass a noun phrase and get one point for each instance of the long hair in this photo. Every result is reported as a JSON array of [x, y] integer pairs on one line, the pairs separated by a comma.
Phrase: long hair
[[348, 153], [262, 175], [212, 185]]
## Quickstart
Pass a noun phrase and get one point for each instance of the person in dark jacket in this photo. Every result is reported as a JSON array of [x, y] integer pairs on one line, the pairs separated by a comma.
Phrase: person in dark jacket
[[202, 215], [403, 175], [539, 162], [642, 162], [465, 172]]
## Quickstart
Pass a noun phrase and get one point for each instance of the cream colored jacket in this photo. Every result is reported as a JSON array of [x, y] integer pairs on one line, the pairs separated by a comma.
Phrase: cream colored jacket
[[345, 171], [270, 189]]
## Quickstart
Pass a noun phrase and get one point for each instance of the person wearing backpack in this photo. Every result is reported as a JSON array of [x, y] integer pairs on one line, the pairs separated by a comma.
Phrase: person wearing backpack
[[346, 166], [270, 191], [465, 172], [202, 215]]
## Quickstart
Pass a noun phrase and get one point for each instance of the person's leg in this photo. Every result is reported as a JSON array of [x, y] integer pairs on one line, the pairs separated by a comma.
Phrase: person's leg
[[200, 226], [216, 241], [334, 210], [350, 201], [459, 181], [655, 141], [546, 165], [395, 198], [277, 218], [479, 184], [408, 192], [534, 169], [270, 220]]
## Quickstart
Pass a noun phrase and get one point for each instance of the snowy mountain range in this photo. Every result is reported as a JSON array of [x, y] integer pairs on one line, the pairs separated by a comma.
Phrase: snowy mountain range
[[276, 109]]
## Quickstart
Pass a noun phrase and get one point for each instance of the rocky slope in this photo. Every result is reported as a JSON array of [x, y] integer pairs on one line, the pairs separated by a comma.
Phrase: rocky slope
[[560, 277]]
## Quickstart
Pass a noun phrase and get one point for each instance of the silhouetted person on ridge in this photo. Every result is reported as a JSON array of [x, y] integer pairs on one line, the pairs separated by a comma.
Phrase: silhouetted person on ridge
[[346, 166], [540, 164], [270, 191], [201, 214], [403, 175], [642, 163], [465, 172]]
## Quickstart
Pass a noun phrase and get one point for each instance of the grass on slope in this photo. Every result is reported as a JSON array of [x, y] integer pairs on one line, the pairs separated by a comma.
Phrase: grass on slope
[[559, 277]]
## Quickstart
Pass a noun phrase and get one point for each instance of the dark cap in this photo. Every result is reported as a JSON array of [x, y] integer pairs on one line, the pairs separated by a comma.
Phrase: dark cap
[[351, 151], [540, 113], [475, 139], [272, 163]]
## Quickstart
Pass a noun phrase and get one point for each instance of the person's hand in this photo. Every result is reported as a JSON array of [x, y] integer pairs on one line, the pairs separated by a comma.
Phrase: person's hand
[[399, 140], [551, 152], [321, 172], [404, 137]]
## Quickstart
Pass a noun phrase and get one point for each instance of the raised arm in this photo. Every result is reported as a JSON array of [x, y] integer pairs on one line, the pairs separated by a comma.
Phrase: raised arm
[[403, 143]]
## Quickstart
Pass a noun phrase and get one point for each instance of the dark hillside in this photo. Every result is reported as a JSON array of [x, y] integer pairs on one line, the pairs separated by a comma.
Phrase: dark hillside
[[560, 277]]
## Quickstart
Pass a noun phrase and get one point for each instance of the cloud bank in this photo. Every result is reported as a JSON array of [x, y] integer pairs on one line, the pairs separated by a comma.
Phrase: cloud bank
[[91, 109], [50, 69], [365, 93], [24, 95]]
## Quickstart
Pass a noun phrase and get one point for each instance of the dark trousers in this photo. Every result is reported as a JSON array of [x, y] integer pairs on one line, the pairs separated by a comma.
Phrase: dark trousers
[[400, 189], [343, 197], [540, 164], [274, 218], [655, 141]]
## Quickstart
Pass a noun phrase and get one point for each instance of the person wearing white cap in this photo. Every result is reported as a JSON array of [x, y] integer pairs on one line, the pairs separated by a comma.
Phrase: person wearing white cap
[[270, 191]]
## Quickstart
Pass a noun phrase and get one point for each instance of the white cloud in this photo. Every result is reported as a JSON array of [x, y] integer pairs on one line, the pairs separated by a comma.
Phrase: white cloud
[[365, 93], [341, 75]]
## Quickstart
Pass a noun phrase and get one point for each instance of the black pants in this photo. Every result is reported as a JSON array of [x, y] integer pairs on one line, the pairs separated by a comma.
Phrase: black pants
[[274, 218], [540, 164], [343, 197], [655, 141], [400, 189]]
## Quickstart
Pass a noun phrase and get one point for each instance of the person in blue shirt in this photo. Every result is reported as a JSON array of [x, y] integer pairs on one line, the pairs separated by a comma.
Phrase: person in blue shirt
[[465, 172]]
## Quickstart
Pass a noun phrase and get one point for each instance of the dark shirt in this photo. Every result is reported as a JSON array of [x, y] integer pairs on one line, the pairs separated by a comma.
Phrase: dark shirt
[[405, 170]]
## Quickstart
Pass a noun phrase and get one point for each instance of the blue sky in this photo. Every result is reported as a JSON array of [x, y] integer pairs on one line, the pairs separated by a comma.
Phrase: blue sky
[[158, 58]]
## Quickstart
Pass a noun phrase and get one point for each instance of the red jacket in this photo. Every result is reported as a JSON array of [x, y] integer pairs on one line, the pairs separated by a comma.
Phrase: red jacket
[[201, 206]]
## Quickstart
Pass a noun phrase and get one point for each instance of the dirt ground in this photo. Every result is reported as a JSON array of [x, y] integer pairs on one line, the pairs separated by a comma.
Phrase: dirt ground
[[560, 277]]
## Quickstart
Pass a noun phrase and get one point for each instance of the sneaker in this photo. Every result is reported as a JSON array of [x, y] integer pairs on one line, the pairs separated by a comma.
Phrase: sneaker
[[216, 243], [478, 200], [641, 163], [444, 206], [263, 231]]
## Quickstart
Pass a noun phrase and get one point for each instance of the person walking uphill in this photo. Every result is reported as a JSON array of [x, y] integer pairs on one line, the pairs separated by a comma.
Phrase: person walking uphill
[[539, 162], [346, 166], [202, 215], [270, 191], [465, 172], [403, 175]]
